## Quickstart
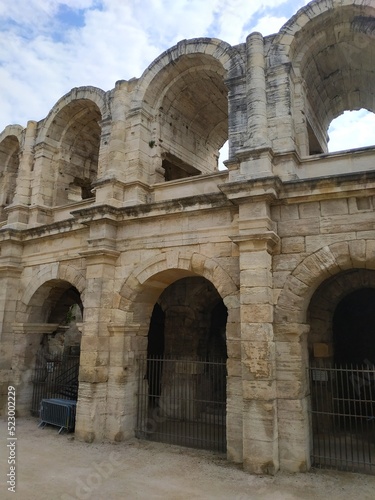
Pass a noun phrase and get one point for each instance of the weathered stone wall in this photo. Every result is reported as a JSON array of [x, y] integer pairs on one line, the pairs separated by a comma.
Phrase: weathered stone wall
[[116, 196]]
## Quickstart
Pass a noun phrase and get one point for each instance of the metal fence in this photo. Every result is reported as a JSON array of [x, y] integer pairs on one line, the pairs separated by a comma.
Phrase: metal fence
[[343, 417], [183, 402], [55, 377]]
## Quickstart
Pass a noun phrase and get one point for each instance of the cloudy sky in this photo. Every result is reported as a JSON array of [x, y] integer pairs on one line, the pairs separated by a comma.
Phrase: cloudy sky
[[48, 47]]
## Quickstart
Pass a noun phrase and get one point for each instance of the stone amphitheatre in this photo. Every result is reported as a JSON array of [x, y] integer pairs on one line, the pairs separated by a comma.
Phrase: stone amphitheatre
[[123, 244]]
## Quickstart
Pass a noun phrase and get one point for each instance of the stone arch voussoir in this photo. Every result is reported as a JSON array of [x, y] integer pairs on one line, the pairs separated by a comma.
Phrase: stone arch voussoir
[[12, 130], [179, 264], [316, 268], [93, 94], [228, 56], [54, 271]]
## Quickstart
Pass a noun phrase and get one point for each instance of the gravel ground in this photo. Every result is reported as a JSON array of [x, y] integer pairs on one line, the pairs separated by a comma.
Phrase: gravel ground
[[50, 466]]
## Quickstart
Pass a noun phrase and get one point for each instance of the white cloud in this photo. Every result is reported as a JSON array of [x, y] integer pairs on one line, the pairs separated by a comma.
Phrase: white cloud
[[43, 57], [352, 129], [269, 25]]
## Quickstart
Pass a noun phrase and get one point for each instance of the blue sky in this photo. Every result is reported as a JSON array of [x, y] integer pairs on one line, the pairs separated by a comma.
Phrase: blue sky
[[49, 46]]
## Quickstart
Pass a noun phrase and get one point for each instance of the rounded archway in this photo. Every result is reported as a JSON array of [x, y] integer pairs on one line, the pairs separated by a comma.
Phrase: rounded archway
[[342, 369], [47, 345], [182, 396], [9, 165], [342, 320], [189, 320], [330, 49], [185, 95]]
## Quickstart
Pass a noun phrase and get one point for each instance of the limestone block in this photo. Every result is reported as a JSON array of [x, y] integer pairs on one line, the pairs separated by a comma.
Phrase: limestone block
[[256, 313], [289, 212], [259, 390], [93, 374], [256, 277], [234, 368], [294, 244], [257, 332], [334, 207], [300, 227], [256, 295]]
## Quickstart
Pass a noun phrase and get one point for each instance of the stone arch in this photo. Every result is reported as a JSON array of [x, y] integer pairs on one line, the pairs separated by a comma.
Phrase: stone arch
[[147, 281], [40, 285], [10, 147], [12, 130], [291, 331], [184, 99], [68, 147], [227, 57], [328, 297], [329, 47], [325, 263], [92, 94]]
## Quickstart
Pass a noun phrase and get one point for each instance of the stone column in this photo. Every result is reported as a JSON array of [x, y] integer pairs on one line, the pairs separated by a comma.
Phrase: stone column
[[260, 432], [27, 339], [293, 396], [18, 211], [125, 344], [257, 126], [42, 184], [9, 286], [281, 112], [95, 343], [234, 415]]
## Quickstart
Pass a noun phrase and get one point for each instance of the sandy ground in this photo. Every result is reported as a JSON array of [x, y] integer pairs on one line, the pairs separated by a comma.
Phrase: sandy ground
[[50, 466]]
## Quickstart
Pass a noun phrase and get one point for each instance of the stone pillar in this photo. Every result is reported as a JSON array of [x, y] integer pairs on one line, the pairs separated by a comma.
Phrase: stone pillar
[[293, 400], [257, 126], [18, 211], [43, 184], [280, 109], [119, 183], [27, 339], [95, 343], [9, 286], [125, 343], [10, 272], [234, 416], [260, 432]]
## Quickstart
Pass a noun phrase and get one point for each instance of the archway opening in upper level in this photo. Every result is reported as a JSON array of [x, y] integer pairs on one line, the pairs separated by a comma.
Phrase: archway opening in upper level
[[77, 131], [352, 129], [189, 102], [9, 163]]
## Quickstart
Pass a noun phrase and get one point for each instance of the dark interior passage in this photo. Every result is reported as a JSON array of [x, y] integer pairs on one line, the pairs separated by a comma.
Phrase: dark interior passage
[[354, 328]]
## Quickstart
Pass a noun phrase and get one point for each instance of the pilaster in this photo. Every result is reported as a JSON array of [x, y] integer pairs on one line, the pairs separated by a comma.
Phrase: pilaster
[[95, 344], [126, 342], [293, 396]]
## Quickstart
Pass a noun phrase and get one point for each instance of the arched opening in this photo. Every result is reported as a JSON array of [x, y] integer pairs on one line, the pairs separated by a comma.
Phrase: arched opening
[[50, 361], [9, 163], [184, 397], [335, 67], [342, 371], [190, 124], [352, 129], [76, 133]]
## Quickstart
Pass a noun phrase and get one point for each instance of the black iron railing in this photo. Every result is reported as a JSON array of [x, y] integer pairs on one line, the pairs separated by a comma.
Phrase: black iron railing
[[343, 417], [55, 377], [182, 401]]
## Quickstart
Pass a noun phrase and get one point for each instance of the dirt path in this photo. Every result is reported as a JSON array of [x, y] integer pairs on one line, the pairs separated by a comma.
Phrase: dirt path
[[52, 467]]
